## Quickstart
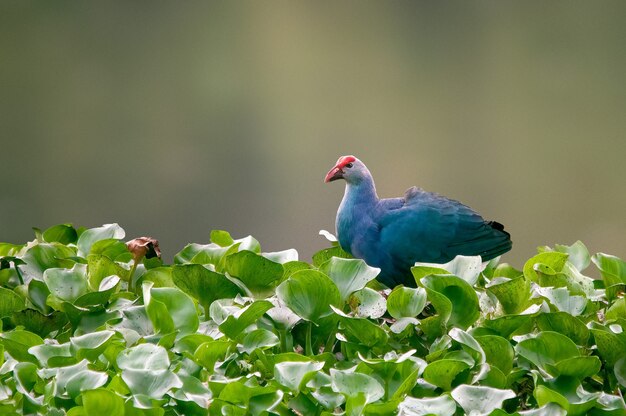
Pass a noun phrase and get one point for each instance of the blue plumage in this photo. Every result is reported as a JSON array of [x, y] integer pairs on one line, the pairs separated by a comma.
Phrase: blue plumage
[[394, 233]]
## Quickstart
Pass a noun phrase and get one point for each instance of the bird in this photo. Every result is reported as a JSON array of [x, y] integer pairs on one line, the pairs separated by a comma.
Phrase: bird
[[395, 233]]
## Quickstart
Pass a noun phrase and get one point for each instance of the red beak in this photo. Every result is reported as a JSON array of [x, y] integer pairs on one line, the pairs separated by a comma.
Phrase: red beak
[[334, 174]]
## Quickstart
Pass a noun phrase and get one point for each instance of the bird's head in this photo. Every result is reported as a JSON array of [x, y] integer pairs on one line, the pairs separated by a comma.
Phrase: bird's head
[[349, 168]]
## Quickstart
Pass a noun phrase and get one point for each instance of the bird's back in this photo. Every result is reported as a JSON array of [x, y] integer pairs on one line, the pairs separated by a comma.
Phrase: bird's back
[[425, 227]]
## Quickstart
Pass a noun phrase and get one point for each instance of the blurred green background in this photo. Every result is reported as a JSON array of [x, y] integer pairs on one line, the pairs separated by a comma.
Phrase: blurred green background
[[175, 118]]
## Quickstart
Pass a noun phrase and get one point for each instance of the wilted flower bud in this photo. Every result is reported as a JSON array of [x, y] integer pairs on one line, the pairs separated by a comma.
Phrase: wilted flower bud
[[141, 247]]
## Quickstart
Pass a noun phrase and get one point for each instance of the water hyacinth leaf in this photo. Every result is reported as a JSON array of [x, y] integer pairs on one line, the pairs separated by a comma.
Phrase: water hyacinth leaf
[[102, 402], [70, 380], [363, 331], [510, 325], [10, 302], [90, 346], [210, 352], [259, 275], [113, 249], [351, 384], [441, 406], [90, 236], [259, 338], [480, 400], [326, 254], [513, 294], [566, 324], [498, 352], [371, 304], [161, 277], [41, 257], [547, 349], [203, 284], [45, 353], [294, 375], [442, 372], [38, 295], [406, 302], [282, 257], [578, 254], [579, 367], [99, 267], [67, 285], [467, 268], [465, 309], [561, 299], [17, 343], [38, 323], [613, 273], [151, 383], [62, 233], [222, 238], [620, 371], [170, 309], [349, 275], [549, 262], [233, 326], [610, 346], [201, 254], [309, 293]]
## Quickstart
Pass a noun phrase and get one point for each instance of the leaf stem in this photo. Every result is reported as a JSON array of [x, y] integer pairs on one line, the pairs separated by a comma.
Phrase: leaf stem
[[130, 276], [309, 347]]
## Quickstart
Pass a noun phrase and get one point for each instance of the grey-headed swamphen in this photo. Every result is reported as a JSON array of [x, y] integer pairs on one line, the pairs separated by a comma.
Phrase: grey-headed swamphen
[[421, 226]]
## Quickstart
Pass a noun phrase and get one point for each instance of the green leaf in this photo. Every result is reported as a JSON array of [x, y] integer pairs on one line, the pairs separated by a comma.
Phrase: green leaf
[[465, 310], [326, 254], [613, 272], [566, 324], [170, 309], [510, 325], [259, 338], [294, 375], [144, 357], [38, 323], [362, 331], [349, 275], [561, 299], [99, 267], [579, 367], [233, 326], [17, 343], [10, 302], [208, 353], [610, 346], [620, 371], [91, 236], [71, 380], [513, 294], [221, 238], [258, 274], [442, 372], [352, 384], [43, 256], [480, 400], [549, 260], [67, 284], [547, 349], [498, 352], [151, 383], [102, 402], [203, 284], [441, 406], [370, 303], [309, 293], [90, 346], [578, 254], [467, 268], [282, 257], [62, 233], [406, 302]]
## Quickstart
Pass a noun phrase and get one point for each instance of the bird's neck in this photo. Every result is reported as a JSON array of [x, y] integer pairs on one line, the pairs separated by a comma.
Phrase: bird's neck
[[356, 207], [359, 193]]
